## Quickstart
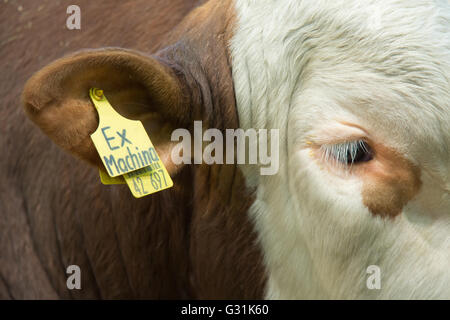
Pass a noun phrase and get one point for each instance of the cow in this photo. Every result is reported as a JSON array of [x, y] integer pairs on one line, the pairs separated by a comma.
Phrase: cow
[[360, 94]]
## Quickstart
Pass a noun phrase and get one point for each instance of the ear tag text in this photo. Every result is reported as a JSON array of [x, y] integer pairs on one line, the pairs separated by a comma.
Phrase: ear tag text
[[127, 151], [148, 180]]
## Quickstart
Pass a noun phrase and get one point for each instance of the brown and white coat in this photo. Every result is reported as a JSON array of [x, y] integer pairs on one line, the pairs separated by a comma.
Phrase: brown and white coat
[[321, 74]]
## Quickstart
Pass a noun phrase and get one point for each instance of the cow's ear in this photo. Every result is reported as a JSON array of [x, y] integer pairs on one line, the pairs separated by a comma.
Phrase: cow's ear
[[140, 87]]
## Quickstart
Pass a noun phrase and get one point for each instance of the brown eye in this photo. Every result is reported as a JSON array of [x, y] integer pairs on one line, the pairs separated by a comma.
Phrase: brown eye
[[363, 153], [348, 153]]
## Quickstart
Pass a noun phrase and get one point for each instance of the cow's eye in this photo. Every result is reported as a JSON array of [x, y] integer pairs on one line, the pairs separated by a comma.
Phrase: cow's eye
[[348, 153]]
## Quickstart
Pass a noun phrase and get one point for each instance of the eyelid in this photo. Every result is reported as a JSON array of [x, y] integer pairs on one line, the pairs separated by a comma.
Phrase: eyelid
[[337, 133]]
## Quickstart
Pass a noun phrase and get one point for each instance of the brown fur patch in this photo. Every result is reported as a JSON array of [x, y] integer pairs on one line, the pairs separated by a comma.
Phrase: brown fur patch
[[390, 182], [192, 241]]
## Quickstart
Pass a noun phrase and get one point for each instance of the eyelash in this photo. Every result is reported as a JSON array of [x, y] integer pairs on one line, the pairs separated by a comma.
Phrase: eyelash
[[347, 153]]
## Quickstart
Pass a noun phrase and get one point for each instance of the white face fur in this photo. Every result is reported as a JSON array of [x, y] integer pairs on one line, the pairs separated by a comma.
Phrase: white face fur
[[328, 74]]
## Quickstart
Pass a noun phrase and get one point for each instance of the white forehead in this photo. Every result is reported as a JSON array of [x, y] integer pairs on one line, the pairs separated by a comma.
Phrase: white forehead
[[386, 63]]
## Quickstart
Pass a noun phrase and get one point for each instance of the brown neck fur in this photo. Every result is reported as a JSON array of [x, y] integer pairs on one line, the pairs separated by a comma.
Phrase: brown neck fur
[[194, 241], [221, 234]]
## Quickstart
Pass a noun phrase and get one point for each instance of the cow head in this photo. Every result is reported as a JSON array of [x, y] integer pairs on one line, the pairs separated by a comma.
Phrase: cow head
[[361, 96]]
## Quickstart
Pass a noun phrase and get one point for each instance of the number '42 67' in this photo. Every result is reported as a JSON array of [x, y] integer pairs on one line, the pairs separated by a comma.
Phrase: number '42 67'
[[153, 181]]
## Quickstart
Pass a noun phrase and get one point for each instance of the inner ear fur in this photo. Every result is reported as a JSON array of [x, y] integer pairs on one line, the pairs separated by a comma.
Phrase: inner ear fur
[[140, 87]]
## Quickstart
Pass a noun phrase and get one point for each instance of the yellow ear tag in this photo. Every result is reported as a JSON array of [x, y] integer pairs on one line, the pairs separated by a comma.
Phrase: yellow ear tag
[[123, 144], [126, 150], [107, 180]]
